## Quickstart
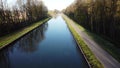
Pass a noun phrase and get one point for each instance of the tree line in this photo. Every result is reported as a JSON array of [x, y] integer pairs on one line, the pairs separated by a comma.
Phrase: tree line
[[21, 14], [99, 16]]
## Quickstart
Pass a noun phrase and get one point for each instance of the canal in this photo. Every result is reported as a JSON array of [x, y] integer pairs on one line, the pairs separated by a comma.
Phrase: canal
[[49, 46]]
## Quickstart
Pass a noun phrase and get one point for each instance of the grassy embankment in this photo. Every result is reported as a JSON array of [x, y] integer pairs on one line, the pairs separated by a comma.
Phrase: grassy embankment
[[9, 38], [93, 61], [105, 44]]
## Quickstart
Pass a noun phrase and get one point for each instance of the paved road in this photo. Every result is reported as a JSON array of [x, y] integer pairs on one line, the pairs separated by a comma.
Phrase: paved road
[[105, 58]]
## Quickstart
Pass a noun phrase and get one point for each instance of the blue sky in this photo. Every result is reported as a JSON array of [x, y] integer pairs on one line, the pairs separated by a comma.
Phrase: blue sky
[[51, 4]]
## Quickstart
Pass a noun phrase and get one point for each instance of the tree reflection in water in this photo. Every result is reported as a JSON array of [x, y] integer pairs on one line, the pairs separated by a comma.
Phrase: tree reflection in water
[[4, 59], [27, 44]]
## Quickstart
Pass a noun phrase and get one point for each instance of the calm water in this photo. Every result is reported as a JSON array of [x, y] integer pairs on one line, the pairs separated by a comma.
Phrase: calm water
[[49, 46]]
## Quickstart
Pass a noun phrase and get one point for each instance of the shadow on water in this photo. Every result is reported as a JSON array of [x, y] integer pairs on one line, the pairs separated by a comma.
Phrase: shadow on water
[[48, 46], [27, 44], [30, 42]]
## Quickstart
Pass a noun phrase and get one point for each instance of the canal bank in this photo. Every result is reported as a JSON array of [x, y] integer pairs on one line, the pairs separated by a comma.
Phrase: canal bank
[[49, 46], [10, 38], [90, 57]]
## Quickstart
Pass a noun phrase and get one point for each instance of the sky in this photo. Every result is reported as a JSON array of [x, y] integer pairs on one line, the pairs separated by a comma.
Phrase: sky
[[57, 4], [51, 4], [11, 1]]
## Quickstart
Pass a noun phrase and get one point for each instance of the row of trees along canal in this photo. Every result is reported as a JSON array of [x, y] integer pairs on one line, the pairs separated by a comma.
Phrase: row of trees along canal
[[99, 16], [21, 14]]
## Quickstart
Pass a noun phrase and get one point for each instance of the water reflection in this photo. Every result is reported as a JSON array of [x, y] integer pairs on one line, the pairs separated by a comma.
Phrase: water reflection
[[58, 49], [27, 44], [56, 15], [4, 60]]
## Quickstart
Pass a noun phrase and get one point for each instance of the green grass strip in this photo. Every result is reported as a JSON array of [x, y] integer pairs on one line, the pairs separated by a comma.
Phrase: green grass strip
[[9, 38], [93, 61], [113, 50]]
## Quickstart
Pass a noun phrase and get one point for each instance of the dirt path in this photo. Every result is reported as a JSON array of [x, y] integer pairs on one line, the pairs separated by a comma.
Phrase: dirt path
[[105, 58]]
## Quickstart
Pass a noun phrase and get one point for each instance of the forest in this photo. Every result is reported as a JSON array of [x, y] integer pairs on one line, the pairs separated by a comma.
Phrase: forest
[[99, 16], [21, 14]]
